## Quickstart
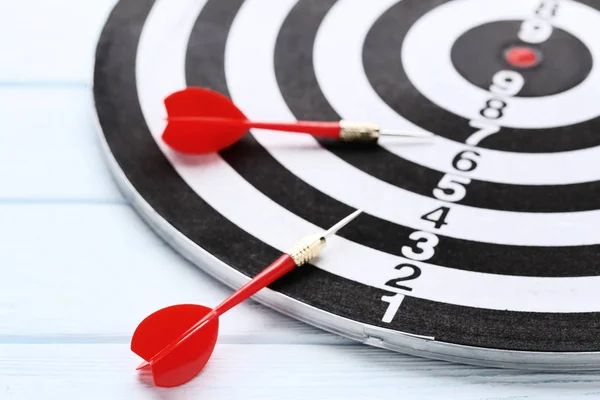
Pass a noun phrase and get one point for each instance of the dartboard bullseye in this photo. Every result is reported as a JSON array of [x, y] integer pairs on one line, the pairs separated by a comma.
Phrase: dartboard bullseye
[[479, 246], [522, 57]]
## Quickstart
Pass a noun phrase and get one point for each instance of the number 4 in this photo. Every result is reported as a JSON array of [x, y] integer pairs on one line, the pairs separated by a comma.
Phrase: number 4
[[440, 220]]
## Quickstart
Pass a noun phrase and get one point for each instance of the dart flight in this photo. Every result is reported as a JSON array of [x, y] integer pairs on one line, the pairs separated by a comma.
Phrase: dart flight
[[176, 342], [200, 120]]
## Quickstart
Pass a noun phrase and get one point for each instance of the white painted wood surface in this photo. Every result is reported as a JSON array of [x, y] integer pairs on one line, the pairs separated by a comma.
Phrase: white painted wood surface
[[80, 269]]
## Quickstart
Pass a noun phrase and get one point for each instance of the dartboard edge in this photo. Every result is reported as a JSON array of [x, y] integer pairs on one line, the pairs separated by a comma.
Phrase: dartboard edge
[[228, 244]]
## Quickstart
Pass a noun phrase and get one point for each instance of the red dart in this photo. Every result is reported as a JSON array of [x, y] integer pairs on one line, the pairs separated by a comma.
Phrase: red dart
[[176, 342], [200, 120]]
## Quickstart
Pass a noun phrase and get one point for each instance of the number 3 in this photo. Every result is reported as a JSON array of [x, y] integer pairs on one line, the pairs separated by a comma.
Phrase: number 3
[[427, 247]]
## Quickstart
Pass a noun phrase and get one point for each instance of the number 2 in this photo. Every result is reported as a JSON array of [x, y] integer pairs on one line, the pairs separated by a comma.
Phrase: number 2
[[415, 274]]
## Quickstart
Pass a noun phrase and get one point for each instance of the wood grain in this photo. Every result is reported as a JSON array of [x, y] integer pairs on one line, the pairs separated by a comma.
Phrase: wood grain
[[49, 43], [238, 371], [96, 269], [49, 147]]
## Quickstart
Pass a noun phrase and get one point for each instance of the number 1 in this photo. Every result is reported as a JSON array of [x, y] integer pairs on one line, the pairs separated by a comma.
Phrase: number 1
[[394, 304]]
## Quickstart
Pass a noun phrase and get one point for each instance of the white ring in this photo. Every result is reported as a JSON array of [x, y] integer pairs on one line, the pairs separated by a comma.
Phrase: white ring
[[339, 71], [305, 158], [426, 61], [160, 71]]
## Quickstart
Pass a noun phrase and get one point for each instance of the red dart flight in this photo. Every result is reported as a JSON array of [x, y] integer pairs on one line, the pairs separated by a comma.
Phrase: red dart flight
[[176, 342], [200, 120]]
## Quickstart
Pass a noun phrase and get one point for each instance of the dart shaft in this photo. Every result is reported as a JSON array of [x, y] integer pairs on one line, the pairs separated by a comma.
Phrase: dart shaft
[[304, 251], [345, 130], [204, 121], [316, 128], [277, 269]]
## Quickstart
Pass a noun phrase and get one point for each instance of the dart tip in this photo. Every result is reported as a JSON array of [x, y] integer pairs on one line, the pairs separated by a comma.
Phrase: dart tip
[[342, 223], [411, 134]]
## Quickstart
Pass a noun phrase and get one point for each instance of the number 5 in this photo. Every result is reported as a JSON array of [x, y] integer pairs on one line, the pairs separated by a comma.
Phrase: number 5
[[450, 188]]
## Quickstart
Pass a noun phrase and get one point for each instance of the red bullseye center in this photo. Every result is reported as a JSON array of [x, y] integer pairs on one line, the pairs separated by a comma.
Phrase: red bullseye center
[[522, 57]]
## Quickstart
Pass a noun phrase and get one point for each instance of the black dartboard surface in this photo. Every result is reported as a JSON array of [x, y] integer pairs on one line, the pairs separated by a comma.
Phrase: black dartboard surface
[[480, 245]]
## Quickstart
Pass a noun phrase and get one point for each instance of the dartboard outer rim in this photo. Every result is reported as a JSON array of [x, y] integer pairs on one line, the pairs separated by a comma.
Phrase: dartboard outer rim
[[393, 340], [368, 334]]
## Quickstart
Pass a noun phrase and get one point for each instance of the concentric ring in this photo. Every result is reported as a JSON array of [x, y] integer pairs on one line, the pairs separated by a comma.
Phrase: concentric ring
[[341, 44], [303, 96], [554, 66], [199, 198], [439, 83], [330, 176]]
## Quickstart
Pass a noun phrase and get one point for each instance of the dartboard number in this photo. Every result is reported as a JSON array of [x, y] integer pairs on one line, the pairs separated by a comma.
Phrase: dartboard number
[[394, 305], [494, 109], [538, 28], [485, 129], [416, 272], [451, 188], [535, 31], [395, 300], [423, 249], [437, 216], [547, 9], [505, 84], [465, 161], [425, 243]]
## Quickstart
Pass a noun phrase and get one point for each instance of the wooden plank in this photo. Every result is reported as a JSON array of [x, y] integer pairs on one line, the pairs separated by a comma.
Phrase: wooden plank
[[92, 272], [83, 265], [106, 371], [55, 40], [50, 149]]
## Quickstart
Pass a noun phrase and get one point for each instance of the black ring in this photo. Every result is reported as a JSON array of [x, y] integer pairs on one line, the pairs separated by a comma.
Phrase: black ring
[[386, 75], [154, 178]]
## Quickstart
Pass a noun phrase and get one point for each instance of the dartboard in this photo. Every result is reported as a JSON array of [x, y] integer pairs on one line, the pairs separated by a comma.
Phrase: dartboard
[[480, 245]]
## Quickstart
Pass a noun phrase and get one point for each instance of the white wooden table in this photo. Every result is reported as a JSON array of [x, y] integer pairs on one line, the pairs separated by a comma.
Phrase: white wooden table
[[79, 269]]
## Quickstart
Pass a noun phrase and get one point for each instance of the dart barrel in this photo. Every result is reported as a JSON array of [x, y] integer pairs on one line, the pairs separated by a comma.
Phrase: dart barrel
[[358, 131]]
